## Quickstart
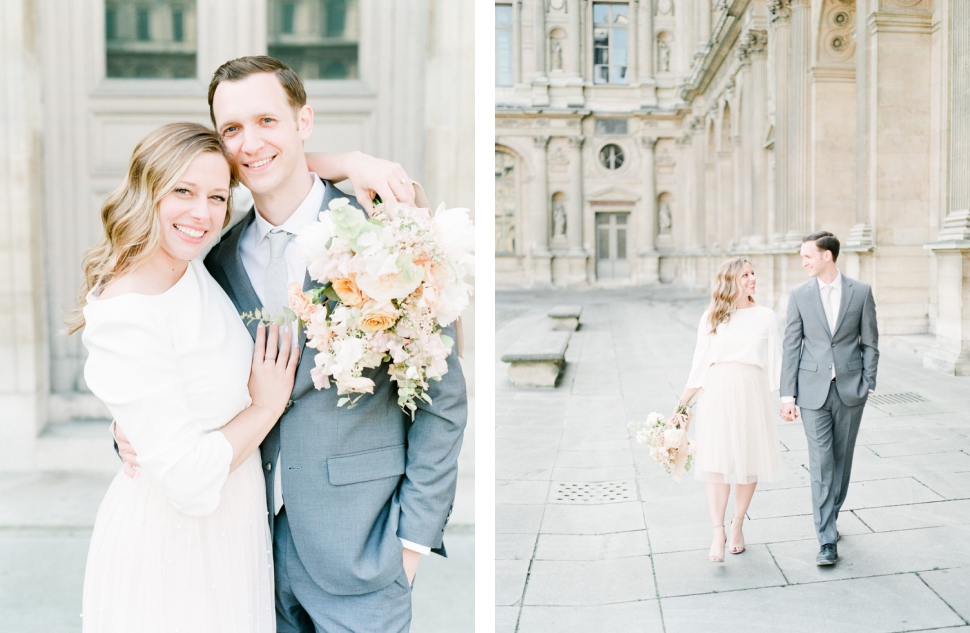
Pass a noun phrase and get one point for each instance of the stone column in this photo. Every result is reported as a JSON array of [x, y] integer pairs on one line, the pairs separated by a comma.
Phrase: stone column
[[23, 344], [951, 351], [574, 217], [753, 45], [780, 43], [860, 237], [647, 235], [540, 81], [799, 130], [542, 259], [648, 85], [574, 66], [517, 42], [633, 42]]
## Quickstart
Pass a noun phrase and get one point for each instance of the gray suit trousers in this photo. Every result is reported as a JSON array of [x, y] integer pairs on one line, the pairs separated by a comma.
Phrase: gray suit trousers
[[302, 606], [831, 432]]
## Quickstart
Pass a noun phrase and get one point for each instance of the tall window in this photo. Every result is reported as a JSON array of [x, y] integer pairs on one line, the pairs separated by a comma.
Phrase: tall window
[[610, 22], [316, 38], [154, 39], [504, 203], [178, 25], [503, 45]]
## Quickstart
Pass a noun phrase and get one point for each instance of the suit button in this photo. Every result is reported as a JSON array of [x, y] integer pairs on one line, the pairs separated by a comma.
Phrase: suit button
[[269, 466], [290, 402]]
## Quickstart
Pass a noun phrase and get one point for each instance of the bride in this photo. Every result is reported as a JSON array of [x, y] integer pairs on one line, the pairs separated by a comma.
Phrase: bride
[[183, 542], [737, 362]]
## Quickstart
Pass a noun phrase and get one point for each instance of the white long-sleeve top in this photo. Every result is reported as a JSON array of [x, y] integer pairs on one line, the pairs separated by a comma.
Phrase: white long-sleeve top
[[751, 336], [173, 368]]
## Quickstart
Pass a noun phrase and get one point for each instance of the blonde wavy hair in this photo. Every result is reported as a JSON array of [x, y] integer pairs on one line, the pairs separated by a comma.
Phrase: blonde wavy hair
[[727, 290], [132, 230]]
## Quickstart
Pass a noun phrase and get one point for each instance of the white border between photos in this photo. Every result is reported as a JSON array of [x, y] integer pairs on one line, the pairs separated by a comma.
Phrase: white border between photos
[[484, 317]]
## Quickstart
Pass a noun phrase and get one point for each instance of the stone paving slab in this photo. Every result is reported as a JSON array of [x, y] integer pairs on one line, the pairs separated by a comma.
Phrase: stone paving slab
[[643, 616], [592, 546], [877, 554], [640, 562], [889, 604], [590, 582]]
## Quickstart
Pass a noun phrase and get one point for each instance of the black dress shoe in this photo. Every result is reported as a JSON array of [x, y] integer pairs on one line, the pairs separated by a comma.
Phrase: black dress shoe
[[827, 555]]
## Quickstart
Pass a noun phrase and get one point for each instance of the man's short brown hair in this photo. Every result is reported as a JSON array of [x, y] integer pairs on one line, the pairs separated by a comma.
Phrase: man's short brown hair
[[825, 241], [239, 69]]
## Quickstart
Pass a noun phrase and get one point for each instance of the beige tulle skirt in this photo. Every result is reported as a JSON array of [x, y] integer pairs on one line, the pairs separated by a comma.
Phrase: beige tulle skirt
[[736, 433], [151, 568]]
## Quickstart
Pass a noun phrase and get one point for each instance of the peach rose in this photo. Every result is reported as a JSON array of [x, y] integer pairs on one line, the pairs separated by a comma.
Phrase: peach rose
[[346, 288], [299, 303], [377, 316]]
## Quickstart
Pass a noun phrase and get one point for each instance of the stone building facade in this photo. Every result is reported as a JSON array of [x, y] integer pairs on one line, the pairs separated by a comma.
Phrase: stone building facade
[[743, 125], [83, 81]]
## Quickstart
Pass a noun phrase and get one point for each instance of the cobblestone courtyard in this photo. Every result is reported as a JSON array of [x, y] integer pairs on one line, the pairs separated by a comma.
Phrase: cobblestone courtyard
[[630, 552]]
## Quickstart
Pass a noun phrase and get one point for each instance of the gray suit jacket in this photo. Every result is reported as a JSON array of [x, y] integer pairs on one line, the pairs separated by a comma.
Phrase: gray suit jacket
[[355, 480], [810, 349]]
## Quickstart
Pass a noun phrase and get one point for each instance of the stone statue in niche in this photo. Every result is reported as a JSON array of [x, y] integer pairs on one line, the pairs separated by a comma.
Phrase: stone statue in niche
[[663, 56], [558, 219], [666, 219], [557, 54]]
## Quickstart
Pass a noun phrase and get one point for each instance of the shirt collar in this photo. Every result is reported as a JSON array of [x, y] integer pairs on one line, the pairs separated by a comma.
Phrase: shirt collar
[[836, 283], [306, 213]]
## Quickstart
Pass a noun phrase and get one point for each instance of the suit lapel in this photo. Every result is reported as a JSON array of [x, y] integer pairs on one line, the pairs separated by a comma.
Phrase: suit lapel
[[847, 288], [244, 295], [815, 298]]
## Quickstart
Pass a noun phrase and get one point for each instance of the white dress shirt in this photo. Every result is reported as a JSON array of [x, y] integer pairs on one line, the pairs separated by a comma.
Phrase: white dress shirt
[[255, 253], [831, 308]]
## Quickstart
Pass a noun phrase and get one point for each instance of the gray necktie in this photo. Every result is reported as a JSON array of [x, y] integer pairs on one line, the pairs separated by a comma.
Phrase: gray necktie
[[830, 310], [274, 284]]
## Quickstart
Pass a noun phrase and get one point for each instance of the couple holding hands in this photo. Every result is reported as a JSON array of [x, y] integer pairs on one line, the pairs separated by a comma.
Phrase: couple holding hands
[[248, 501], [824, 367]]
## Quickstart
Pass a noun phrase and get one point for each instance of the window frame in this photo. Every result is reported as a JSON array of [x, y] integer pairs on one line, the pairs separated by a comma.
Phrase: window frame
[[610, 48]]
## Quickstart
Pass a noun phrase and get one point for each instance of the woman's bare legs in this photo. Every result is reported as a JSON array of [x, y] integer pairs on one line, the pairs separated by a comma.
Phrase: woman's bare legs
[[742, 499], [717, 498]]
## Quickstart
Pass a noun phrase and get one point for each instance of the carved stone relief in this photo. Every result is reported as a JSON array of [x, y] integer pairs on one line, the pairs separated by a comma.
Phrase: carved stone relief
[[752, 42], [836, 42], [665, 7]]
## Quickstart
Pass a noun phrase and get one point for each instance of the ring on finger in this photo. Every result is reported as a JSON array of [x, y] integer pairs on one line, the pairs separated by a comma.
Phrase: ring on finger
[[404, 181]]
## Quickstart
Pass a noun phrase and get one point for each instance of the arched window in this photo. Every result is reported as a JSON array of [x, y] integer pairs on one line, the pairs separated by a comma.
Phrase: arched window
[[504, 203]]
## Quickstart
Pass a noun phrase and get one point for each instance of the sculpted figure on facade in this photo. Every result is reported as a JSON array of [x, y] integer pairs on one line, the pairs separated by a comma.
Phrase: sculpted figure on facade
[[556, 53], [663, 56], [665, 218], [558, 219]]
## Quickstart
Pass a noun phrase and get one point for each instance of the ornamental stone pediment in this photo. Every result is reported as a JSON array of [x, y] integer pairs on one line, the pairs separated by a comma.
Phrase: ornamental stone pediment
[[613, 194]]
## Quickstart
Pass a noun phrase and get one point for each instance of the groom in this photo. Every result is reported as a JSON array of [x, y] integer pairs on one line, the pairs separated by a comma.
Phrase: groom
[[356, 495], [828, 370]]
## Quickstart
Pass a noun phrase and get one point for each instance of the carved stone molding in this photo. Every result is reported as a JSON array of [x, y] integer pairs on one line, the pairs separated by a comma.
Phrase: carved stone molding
[[648, 142], [541, 141], [752, 42], [780, 10], [836, 42], [576, 142]]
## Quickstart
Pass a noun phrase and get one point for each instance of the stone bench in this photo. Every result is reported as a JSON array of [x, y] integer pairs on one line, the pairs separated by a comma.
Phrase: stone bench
[[537, 358], [565, 317]]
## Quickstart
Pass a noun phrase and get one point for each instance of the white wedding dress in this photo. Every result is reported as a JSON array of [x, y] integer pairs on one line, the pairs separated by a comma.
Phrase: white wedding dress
[[185, 544], [737, 368]]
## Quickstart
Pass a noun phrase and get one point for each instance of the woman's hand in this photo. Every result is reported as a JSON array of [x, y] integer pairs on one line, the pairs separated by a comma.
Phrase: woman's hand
[[368, 175], [274, 368]]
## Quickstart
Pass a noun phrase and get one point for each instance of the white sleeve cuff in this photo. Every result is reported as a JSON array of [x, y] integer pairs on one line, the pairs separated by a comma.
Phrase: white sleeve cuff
[[414, 547], [787, 399]]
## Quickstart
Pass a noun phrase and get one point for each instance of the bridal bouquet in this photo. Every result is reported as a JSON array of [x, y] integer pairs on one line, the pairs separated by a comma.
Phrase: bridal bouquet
[[667, 440], [395, 279]]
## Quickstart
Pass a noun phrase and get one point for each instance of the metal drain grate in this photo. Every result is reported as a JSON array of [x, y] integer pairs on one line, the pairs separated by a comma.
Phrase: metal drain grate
[[896, 398], [605, 492]]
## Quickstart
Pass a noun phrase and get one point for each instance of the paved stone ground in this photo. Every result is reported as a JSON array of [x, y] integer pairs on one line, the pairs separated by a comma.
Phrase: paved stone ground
[[45, 527], [634, 557]]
